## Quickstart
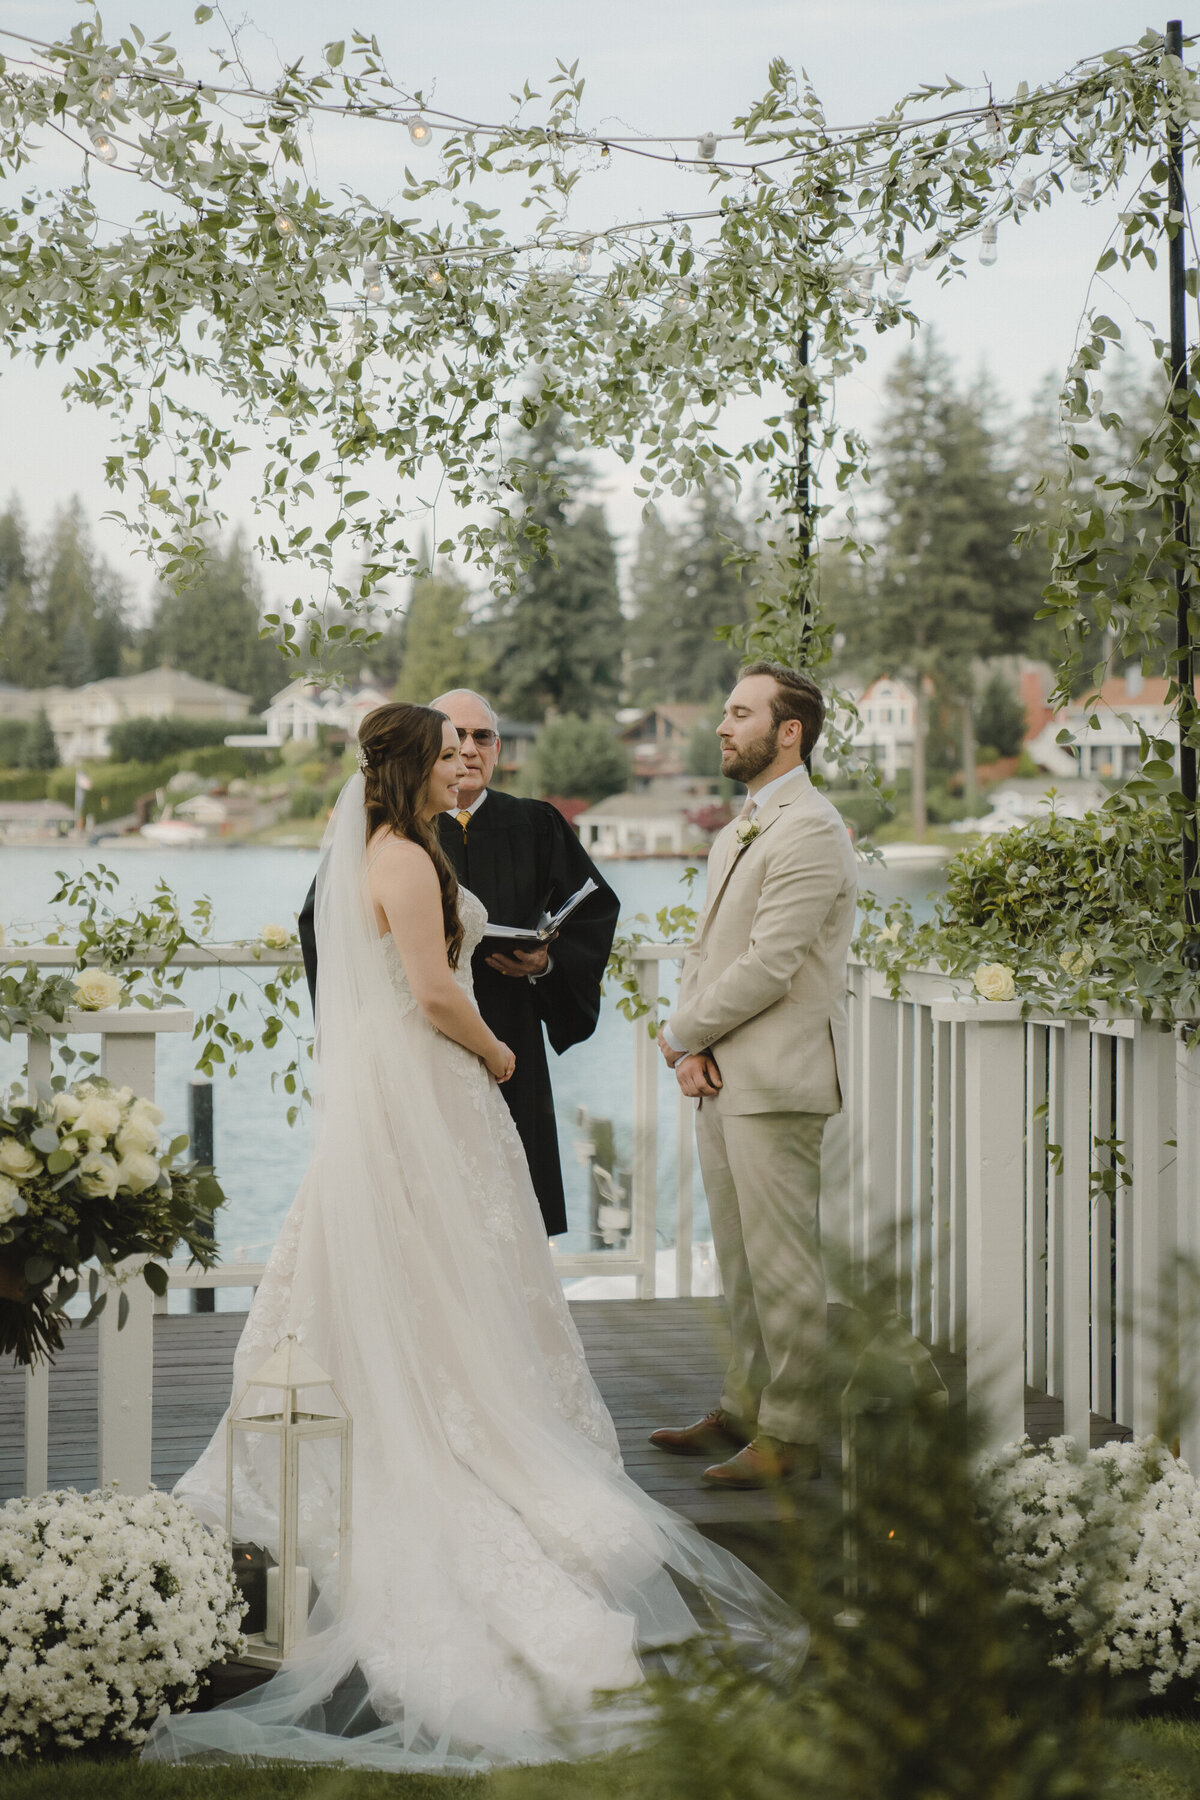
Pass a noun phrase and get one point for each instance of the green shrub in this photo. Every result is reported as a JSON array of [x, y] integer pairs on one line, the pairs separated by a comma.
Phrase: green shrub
[[148, 740], [12, 737], [306, 801], [26, 784], [580, 759], [943, 807], [862, 808]]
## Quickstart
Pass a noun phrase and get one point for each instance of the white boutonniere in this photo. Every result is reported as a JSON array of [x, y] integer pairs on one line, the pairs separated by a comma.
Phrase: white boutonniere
[[746, 832]]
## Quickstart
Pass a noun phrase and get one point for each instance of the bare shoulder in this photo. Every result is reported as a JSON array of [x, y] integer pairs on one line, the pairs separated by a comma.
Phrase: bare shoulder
[[396, 861]]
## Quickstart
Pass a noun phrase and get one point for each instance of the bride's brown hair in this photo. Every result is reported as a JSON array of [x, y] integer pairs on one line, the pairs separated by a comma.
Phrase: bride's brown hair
[[398, 746]]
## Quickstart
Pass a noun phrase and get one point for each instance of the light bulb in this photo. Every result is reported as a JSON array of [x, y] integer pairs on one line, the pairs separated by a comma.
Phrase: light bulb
[[583, 256], [284, 226], [372, 280], [106, 87], [103, 144], [706, 150], [866, 280], [898, 283], [434, 278], [1081, 179], [987, 244], [420, 131], [1026, 191], [997, 138]]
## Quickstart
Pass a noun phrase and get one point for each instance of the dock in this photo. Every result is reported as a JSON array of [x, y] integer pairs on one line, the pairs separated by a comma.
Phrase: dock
[[656, 1362]]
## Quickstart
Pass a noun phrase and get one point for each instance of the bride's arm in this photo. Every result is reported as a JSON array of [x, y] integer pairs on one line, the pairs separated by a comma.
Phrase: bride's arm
[[405, 890]]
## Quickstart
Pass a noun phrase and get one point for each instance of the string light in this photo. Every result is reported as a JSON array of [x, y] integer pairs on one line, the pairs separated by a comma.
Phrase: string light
[[103, 144], [997, 138], [1081, 179], [420, 131], [987, 244], [1026, 191], [706, 150], [433, 277], [583, 256], [372, 280], [898, 283], [106, 86], [284, 226]]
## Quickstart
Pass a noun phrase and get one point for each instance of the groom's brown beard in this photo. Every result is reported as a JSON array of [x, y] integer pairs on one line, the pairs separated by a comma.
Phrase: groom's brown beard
[[750, 761]]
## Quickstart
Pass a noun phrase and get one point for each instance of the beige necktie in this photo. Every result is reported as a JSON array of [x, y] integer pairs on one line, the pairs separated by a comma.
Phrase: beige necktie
[[748, 806]]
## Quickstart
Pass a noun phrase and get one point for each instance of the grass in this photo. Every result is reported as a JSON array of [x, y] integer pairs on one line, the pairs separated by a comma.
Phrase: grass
[[1160, 1760]]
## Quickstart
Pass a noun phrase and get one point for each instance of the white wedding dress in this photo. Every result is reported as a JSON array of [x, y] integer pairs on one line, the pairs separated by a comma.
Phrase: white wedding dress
[[504, 1569]]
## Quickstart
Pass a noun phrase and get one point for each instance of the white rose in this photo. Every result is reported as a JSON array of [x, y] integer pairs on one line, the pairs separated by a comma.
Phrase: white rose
[[99, 1117], [137, 1171], [275, 937], [67, 1107], [136, 1138], [1077, 961], [11, 1203], [98, 1176], [995, 981], [144, 1113], [94, 989], [18, 1160]]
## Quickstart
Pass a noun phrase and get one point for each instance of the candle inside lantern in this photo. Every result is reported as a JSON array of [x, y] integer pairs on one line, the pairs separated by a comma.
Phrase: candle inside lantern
[[274, 1631]]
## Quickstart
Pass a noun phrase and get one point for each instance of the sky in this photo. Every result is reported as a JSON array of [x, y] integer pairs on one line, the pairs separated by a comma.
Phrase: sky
[[656, 66]]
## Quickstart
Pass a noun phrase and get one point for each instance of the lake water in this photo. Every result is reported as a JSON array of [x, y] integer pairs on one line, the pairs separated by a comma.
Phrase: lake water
[[259, 1159]]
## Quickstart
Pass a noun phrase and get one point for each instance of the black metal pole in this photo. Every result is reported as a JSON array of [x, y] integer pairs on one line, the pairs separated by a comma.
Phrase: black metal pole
[[200, 1131], [1185, 658]]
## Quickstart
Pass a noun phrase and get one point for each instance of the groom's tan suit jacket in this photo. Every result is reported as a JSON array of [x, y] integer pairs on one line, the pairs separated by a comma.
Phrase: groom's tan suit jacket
[[763, 985]]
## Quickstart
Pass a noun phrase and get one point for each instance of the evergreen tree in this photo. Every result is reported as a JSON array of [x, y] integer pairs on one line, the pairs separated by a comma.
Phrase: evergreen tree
[[80, 605], [560, 639], [440, 650], [684, 587], [1001, 718], [22, 651], [211, 629], [947, 583], [40, 749]]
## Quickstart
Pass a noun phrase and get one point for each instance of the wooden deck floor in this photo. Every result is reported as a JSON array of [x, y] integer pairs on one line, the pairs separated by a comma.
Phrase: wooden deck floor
[[657, 1362]]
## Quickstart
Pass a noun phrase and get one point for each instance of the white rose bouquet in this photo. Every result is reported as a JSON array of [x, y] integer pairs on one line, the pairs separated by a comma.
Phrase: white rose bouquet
[[85, 1178], [111, 1607]]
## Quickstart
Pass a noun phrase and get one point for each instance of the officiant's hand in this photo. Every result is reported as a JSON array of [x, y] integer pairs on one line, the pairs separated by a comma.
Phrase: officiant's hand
[[698, 1076], [520, 962]]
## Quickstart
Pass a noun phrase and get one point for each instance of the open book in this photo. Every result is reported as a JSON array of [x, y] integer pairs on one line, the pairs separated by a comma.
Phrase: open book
[[541, 934]]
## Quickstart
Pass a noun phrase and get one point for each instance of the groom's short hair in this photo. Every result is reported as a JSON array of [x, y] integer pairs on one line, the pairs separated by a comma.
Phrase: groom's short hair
[[796, 696]]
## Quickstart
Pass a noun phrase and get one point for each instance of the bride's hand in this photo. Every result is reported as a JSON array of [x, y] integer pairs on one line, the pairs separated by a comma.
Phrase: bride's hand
[[501, 1061]]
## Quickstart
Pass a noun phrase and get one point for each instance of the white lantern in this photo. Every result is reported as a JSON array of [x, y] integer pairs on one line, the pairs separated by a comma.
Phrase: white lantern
[[295, 1441]]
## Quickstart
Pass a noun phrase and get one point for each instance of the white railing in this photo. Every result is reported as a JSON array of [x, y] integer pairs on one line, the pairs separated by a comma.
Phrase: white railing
[[127, 1057], [1036, 1182]]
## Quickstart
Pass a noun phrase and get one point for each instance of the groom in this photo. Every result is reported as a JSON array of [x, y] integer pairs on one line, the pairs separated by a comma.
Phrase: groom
[[759, 1039]]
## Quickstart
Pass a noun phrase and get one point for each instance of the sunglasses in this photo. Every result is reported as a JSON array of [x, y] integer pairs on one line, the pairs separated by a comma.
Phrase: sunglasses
[[485, 737]]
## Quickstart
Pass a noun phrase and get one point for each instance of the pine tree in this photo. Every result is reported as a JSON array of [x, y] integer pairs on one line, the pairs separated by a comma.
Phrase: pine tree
[[579, 759], [1001, 717], [80, 604], [440, 648], [211, 629], [685, 585], [22, 651], [40, 749], [560, 639], [947, 583]]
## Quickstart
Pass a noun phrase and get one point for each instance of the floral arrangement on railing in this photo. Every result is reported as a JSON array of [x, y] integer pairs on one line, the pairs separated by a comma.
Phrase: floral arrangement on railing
[[1065, 915], [131, 959], [1105, 1546], [111, 1607], [85, 1179]]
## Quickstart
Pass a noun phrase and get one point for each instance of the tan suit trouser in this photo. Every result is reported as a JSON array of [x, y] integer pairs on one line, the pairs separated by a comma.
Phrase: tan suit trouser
[[762, 1176]]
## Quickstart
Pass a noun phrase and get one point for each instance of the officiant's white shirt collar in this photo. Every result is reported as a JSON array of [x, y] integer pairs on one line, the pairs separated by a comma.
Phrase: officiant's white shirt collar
[[474, 807], [764, 793]]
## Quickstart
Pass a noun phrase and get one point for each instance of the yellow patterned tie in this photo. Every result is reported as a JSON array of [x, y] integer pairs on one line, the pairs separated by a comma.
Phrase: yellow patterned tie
[[464, 819]]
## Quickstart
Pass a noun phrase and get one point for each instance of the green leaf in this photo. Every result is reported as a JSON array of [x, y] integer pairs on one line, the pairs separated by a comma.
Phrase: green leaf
[[122, 1310], [58, 1161], [44, 1139], [39, 1269], [156, 1278]]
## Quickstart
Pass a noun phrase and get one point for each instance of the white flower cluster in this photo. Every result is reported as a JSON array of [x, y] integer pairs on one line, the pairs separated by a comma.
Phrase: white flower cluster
[[1106, 1545], [113, 1134], [111, 1606]]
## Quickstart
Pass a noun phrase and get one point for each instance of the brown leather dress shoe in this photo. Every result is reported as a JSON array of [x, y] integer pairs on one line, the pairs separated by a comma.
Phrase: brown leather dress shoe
[[713, 1435], [764, 1463]]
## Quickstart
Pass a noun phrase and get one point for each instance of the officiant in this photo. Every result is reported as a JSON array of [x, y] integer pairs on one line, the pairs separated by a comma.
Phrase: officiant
[[522, 859]]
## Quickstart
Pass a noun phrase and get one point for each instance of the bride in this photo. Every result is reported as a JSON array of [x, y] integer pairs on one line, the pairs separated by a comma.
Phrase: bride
[[504, 1569]]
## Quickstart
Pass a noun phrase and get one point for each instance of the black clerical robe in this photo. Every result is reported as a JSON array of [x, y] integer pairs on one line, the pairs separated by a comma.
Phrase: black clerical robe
[[521, 858]]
